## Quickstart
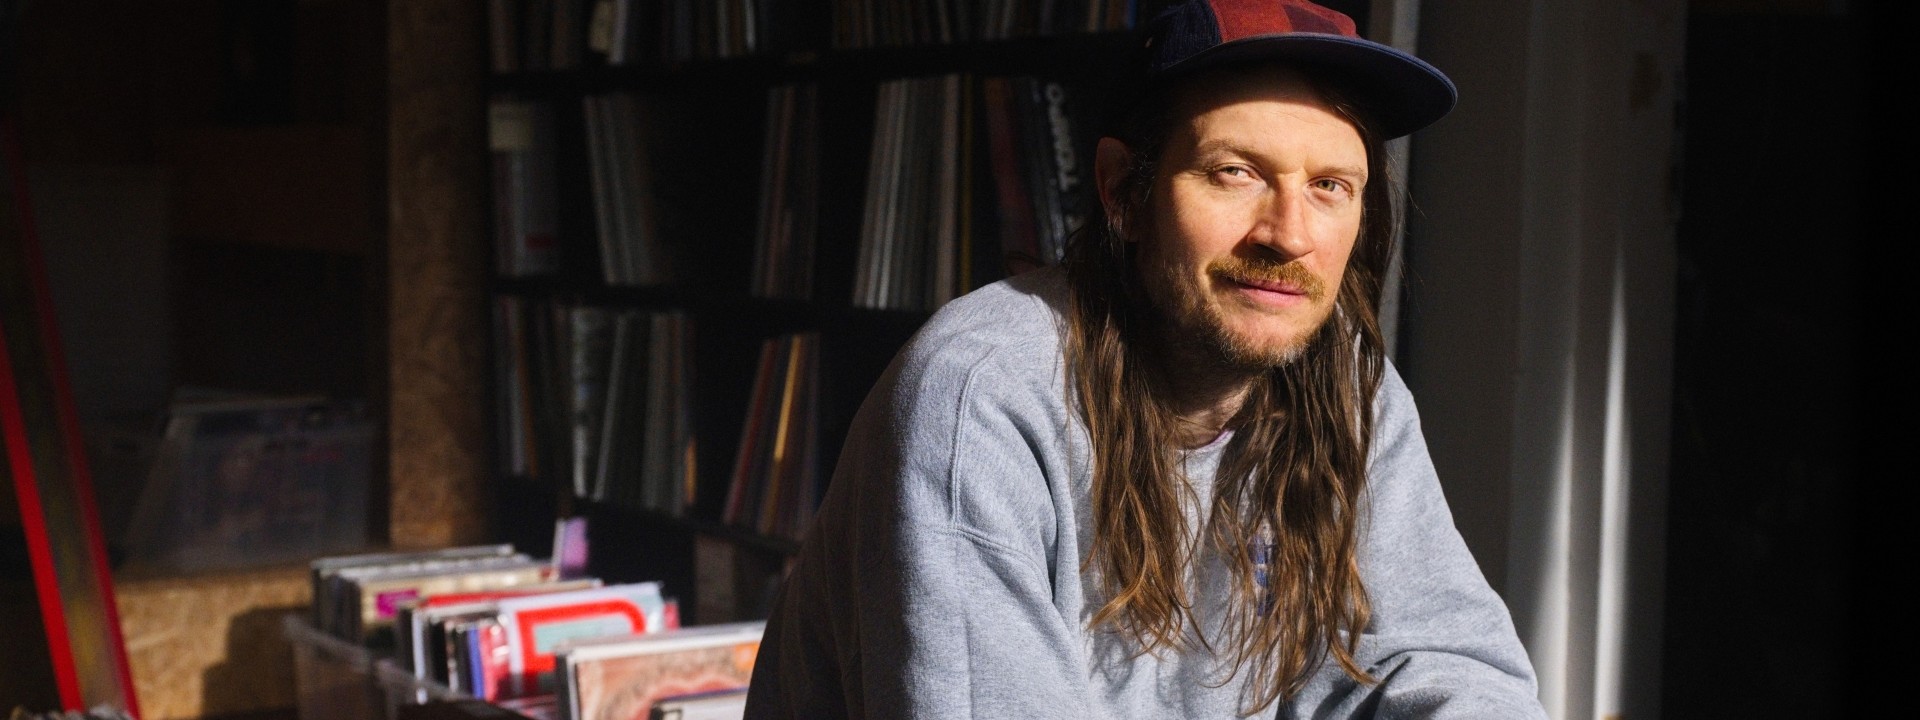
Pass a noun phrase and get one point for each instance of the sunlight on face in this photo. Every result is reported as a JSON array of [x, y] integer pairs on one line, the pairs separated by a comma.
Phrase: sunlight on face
[[1254, 215]]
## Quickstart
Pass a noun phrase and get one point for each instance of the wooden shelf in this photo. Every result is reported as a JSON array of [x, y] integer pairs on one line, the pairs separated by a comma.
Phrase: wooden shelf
[[1067, 57], [706, 144], [801, 313], [730, 533], [522, 488]]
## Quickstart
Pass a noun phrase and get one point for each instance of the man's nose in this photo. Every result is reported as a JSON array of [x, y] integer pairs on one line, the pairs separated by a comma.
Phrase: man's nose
[[1281, 224]]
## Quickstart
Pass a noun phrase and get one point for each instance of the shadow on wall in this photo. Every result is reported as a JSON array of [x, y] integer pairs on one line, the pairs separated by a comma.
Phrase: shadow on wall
[[256, 680]]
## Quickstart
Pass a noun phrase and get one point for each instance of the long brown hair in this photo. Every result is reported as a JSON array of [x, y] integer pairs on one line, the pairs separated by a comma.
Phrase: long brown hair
[[1293, 472]]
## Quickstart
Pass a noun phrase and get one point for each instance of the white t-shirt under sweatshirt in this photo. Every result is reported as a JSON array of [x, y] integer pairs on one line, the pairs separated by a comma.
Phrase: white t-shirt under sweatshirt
[[942, 576]]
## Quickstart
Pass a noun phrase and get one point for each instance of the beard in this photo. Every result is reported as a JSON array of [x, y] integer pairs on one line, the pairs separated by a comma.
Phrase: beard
[[1195, 317]]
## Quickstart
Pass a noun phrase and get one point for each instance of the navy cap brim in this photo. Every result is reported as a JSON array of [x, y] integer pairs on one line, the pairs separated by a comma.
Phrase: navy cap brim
[[1400, 93]]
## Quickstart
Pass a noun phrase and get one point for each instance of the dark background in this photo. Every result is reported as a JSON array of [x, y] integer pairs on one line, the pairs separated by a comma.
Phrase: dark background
[[1783, 541]]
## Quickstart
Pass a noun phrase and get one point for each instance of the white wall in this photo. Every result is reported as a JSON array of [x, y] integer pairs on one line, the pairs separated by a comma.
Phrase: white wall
[[1537, 326]]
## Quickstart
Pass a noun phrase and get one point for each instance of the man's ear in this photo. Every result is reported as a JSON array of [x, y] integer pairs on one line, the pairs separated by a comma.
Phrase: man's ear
[[1110, 162]]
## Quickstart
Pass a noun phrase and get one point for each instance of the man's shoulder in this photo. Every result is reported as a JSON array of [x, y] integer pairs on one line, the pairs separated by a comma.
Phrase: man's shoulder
[[1017, 318], [994, 352], [1394, 399], [999, 344]]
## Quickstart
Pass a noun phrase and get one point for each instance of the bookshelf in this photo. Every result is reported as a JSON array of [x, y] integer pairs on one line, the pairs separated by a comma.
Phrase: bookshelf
[[806, 199]]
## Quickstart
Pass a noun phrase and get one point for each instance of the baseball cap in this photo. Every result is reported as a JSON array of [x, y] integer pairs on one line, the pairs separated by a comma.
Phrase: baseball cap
[[1399, 92]]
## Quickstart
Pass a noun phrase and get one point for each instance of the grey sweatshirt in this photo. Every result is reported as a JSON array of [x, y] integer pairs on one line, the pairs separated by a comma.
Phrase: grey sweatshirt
[[942, 577]]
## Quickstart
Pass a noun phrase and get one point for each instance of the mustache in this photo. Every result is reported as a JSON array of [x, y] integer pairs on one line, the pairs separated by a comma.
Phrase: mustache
[[1248, 271]]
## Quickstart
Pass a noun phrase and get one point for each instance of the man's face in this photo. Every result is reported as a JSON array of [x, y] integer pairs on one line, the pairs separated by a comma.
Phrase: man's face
[[1254, 213]]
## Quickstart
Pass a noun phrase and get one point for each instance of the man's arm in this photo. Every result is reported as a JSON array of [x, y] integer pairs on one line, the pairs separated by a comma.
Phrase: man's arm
[[924, 591], [1441, 640]]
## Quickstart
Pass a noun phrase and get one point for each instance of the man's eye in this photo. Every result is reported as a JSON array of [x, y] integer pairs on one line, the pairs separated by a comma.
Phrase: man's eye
[[1232, 171], [1329, 185]]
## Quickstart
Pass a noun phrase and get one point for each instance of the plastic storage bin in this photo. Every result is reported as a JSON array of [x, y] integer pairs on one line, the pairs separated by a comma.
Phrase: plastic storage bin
[[251, 483], [338, 680]]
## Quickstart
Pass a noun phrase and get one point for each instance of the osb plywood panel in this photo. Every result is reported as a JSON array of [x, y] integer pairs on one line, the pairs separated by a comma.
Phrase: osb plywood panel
[[437, 254], [212, 644]]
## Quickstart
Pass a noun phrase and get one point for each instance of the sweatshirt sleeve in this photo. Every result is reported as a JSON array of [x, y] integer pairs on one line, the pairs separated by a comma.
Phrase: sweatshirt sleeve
[[1441, 642], [924, 590]]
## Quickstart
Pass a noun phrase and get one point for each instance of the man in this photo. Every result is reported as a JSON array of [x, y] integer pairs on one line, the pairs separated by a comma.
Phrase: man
[[1174, 477]]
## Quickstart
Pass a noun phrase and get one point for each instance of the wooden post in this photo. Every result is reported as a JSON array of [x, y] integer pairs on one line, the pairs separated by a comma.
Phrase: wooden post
[[436, 254]]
